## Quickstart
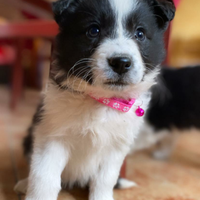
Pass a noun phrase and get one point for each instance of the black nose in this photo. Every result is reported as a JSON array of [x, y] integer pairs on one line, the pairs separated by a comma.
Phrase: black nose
[[120, 65]]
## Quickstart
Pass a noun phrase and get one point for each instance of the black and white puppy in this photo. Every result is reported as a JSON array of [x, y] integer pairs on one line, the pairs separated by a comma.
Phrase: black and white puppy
[[105, 48], [174, 106]]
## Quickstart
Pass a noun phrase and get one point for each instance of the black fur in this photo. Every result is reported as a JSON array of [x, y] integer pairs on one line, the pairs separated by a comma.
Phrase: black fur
[[177, 103], [151, 49], [28, 140], [72, 44], [75, 17], [164, 11]]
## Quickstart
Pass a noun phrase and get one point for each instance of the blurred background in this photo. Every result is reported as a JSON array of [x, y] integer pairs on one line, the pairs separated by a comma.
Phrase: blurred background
[[27, 30]]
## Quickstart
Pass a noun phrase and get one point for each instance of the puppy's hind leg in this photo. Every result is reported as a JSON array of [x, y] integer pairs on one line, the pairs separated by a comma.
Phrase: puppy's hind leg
[[165, 146]]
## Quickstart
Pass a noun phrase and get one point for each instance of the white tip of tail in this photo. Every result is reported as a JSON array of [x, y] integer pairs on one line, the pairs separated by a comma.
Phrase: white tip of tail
[[21, 187]]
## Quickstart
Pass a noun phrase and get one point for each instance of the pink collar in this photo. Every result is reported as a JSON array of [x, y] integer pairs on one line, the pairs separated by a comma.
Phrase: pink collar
[[116, 103]]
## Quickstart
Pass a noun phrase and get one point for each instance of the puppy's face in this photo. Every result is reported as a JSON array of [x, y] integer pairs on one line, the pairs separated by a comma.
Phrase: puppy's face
[[109, 44]]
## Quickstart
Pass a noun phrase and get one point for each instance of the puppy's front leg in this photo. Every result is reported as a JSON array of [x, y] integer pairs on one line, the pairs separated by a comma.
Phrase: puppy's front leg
[[48, 162], [102, 184]]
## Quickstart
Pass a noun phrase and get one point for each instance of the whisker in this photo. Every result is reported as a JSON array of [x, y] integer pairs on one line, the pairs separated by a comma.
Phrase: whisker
[[81, 61], [76, 77], [81, 68], [85, 76]]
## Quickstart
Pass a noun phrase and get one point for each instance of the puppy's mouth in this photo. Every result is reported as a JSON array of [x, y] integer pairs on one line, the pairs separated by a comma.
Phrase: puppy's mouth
[[118, 83]]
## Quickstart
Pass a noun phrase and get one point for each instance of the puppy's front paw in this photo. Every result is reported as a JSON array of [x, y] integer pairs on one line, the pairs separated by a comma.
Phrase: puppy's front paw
[[21, 186], [125, 184]]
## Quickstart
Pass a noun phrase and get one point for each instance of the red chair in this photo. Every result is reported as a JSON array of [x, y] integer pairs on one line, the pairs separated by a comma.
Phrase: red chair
[[167, 35], [7, 55], [16, 34]]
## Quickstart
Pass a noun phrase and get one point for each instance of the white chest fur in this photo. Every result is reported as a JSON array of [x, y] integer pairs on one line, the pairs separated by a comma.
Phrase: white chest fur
[[90, 131]]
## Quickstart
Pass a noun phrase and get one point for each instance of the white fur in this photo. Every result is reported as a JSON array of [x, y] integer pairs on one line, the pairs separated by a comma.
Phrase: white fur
[[21, 186], [121, 45], [113, 47], [80, 139], [122, 9], [126, 184], [148, 137], [48, 161]]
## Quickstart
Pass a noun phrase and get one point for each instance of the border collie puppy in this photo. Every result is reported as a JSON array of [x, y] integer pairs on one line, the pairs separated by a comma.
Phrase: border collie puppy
[[106, 58], [175, 104]]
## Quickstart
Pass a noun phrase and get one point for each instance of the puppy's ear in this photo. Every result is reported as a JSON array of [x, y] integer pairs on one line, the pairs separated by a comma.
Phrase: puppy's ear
[[164, 11], [59, 7]]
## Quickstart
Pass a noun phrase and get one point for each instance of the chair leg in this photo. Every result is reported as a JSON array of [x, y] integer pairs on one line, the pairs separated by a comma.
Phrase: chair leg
[[123, 170], [17, 76], [167, 40]]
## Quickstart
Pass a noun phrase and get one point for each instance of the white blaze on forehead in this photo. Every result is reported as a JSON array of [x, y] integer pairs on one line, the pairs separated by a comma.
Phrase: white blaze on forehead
[[121, 45], [122, 8]]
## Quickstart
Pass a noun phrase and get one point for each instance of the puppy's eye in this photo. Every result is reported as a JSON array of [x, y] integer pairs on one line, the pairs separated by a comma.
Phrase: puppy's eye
[[140, 35], [93, 32]]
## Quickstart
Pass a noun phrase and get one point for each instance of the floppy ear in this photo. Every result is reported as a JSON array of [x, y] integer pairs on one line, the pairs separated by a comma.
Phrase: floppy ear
[[164, 11], [59, 7]]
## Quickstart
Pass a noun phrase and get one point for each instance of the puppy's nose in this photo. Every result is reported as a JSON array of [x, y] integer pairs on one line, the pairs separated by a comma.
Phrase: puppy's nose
[[120, 65]]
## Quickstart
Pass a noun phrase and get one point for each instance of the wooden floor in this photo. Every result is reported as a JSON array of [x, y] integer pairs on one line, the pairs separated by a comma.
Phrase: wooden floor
[[176, 179]]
